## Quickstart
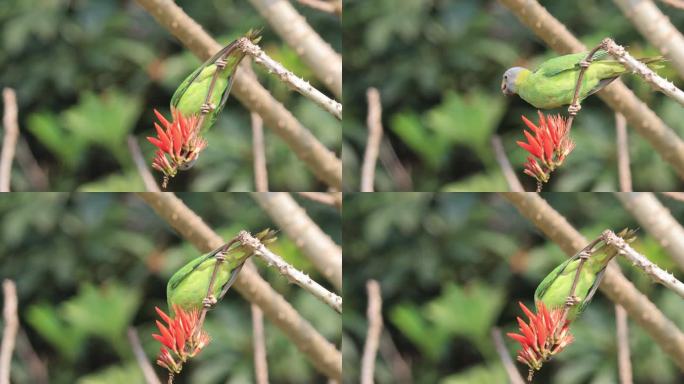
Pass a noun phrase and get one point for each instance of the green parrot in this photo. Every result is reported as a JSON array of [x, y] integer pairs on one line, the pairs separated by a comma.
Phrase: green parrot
[[553, 291], [188, 287], [190, 96], [553, 83]]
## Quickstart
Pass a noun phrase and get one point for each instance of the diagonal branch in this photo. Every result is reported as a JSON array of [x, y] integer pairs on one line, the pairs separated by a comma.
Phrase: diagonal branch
[[291, 273], [641, 69], [316, 245], [289, 78], [322, 354], [614, 285], [656, 28], [325, 63], [658, 221], [663, 139], [147, 369], [642, 262], [322, 162]]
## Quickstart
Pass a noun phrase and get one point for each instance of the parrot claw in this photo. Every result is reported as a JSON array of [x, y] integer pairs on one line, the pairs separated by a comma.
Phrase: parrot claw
[[209, 301], [220, 63], [206, 108], [573, 109], [584, 64], [571, 301], [220, 257]]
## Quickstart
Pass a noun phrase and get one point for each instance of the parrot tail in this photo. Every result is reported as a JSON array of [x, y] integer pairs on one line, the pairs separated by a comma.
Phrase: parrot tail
[[655, 62]]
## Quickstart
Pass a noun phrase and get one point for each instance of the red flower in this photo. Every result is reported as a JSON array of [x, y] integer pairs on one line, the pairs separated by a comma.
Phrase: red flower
[[550, 145], [180, 338], [178, 143], [543, 337]]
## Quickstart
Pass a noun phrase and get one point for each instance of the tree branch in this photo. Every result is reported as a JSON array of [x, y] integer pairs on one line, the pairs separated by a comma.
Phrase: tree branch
[[614, 285], [333, 199], [315, 244], [259, 154], [642, 262], [291, 273], [622, 336], [322, 354], [9, 333], [370, 349], [259, 341], [657, 29], [322, 162], [141, 165], [506, 168], [141, 358], [657, 220], [624, 174], [329, 6], [374, 123], [293, 81], [9, 142], [641, 69], [318, 55], [513, 374], [665, 141]]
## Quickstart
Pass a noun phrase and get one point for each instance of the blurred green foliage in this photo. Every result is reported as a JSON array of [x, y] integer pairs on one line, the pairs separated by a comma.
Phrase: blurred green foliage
[[438, 67], [89, 73], [452, 265], [88, 266]]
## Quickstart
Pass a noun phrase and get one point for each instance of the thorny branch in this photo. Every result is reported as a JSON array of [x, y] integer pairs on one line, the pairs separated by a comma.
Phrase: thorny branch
[[292, 274], [642, 262], [293, 81]]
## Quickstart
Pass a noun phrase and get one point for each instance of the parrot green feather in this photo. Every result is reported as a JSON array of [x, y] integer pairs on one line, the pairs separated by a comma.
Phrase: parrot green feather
[[553, 83], [553, 291], [191, 94], [188, 287]]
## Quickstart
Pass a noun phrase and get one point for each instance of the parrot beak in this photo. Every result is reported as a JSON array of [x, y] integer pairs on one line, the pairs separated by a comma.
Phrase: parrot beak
[[187, 165]]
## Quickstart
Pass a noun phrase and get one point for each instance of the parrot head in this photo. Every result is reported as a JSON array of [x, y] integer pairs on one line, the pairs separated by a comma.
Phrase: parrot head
[[508, 84]]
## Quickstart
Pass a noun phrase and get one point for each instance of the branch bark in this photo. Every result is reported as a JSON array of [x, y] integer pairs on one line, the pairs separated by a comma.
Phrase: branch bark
[[291, 273], [506, 168], [641, 69], [333, 199], [141, 358], [657, 220], [513, 374], [614, 285], [322, 162], [259, 154], [622, 336], [370, 349], [318, 55], [141, 165], [315, 244], [374, 123], [657, 29], [293, 81], [624, 174], [665, 141], [259, 341], [642, 262], [322, 354], [9, 142], [9, 333]]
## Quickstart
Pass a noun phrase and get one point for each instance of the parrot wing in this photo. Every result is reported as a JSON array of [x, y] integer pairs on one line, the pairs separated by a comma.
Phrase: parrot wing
[[560, 64], [189, 268], [193, 76], [551, 277]]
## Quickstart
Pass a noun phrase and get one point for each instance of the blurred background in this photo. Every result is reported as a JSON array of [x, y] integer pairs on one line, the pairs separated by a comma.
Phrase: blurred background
[[88, 266], [438, 66], [88, 73], [452, 266]]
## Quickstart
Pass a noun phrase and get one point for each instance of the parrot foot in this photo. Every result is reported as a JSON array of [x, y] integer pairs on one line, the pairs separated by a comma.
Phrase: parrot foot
[[220, 63], [573, 109], [584, 255], [584, 64], [206, 108], [209, 301], [571, 301], [221, 257]]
